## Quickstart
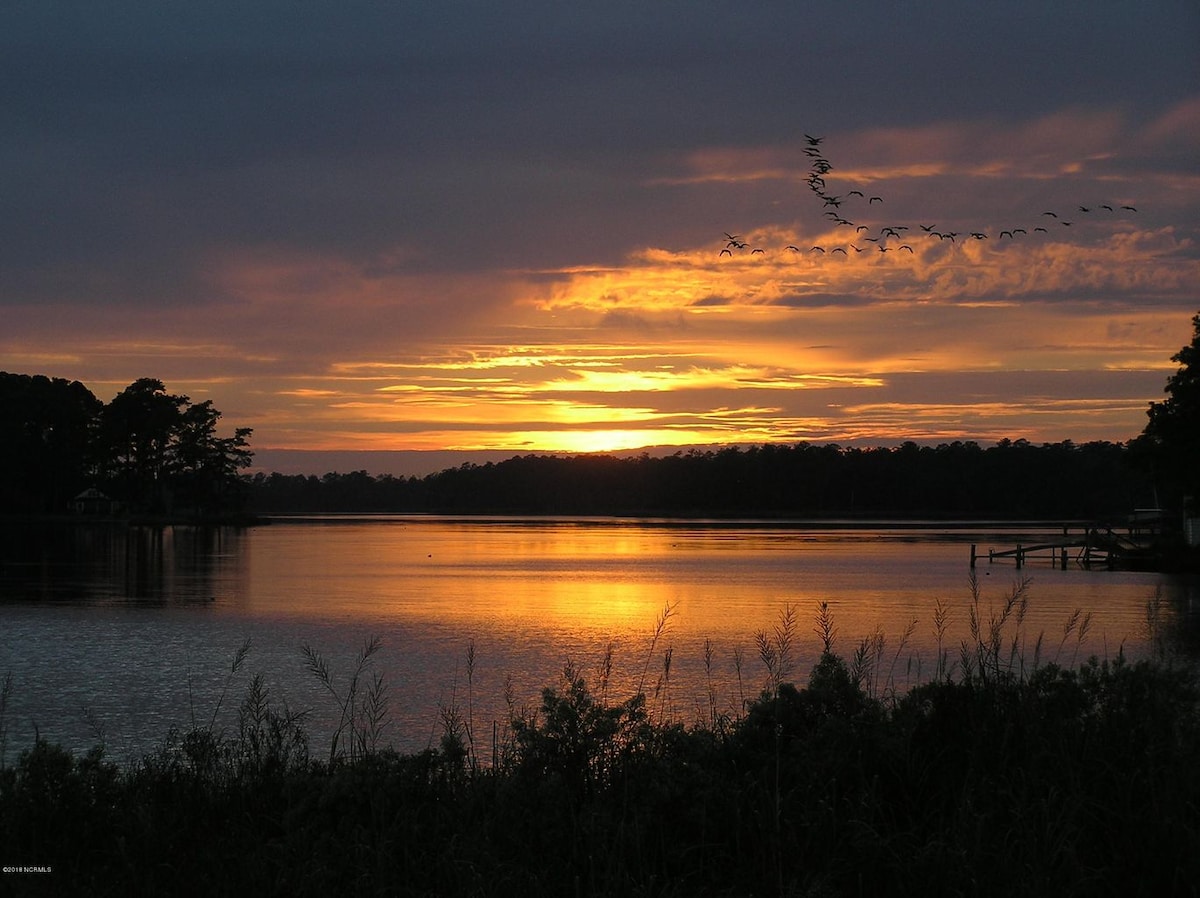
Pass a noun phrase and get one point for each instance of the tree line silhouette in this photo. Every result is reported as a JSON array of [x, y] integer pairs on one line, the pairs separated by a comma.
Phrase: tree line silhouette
[[1012, 479], [145, 452]]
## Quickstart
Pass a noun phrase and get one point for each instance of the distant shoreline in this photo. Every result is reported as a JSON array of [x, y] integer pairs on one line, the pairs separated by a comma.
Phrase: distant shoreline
[[1168, 557], [245, 519]]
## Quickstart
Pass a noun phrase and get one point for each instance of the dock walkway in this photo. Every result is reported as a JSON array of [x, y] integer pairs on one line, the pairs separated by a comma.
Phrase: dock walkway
[[1097, 546]]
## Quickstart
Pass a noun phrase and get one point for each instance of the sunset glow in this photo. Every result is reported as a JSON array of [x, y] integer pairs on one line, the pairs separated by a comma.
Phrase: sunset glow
[[639, 272]]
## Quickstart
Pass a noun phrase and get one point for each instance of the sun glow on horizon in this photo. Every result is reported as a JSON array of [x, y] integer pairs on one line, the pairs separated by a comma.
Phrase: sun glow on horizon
[[837, 315]]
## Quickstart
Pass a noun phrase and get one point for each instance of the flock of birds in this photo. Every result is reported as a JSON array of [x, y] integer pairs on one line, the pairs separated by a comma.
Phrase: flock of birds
[[893, 237]]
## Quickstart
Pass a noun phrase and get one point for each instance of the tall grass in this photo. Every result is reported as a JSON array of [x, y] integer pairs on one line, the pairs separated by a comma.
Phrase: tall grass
[[660, 629], [775, 647], [362, 703]]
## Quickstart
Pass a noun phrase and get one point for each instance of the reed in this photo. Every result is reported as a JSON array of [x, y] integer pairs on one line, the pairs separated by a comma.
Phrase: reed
[[604, 674], [775, 648], [362, 705], [714, 718], [270, 740], [660, 628], [739, 659], [941, 624]]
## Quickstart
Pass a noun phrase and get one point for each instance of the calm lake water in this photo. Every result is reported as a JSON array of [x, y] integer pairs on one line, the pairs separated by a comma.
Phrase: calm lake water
[[120, 634]]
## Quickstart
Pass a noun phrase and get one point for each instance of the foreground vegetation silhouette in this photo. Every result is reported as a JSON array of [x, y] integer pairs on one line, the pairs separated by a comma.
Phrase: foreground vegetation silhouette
[[1001, 773]]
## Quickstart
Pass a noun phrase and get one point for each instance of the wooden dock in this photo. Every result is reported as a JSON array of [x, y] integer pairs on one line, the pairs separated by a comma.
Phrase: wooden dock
[[1097, 546]]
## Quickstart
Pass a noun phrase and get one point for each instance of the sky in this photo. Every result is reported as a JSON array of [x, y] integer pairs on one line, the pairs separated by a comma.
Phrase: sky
[[510, 227]]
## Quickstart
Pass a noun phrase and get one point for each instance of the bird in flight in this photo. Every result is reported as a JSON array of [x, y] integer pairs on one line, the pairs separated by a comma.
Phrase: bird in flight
[[815, 179]]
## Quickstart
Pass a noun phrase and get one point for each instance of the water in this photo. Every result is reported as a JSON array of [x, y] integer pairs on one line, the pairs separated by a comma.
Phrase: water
[[121, 634]]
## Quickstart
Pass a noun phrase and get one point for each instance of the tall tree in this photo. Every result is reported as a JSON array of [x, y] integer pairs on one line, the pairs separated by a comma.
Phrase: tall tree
[[164, 454], [46, 429], [136, 432], [204, 466], [1171, 439]]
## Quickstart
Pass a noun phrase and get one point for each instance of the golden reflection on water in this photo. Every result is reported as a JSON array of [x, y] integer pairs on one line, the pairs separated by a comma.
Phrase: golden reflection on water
[[612, 580]]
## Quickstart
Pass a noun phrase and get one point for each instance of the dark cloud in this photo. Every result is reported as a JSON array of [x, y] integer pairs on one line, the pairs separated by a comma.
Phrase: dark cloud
[[713, 301], [637, 323], [159, 128]]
